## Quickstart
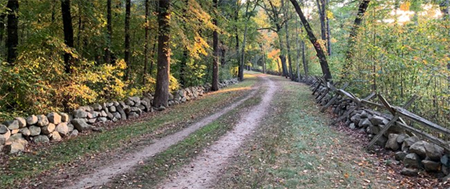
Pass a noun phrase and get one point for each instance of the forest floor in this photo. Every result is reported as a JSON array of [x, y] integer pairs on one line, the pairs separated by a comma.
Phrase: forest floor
[[265, 132]]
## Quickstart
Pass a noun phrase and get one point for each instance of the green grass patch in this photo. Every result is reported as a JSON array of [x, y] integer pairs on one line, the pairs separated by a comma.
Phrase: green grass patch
[[17, 168]]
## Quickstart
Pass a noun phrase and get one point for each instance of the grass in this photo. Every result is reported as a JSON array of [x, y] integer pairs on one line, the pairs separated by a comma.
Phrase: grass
[[295, 148], [28, 166], [163, 164]]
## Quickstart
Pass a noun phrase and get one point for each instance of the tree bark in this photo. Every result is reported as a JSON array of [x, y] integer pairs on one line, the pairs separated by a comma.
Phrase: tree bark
[[163, 70], [298, 47], [288, 44], [353, 34], [108, 33], [242, 61], [240, 69], [328, 31], [320, 53], [68, 34], [215, 75], [12, 31], [146, 42], [127, 38]]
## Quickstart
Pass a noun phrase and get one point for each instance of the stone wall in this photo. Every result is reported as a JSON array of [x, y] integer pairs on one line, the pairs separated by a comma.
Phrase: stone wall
[[16, 134], [415, 153]]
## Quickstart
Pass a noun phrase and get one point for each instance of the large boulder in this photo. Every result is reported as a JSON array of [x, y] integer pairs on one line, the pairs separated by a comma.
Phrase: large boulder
[[409, 141], [17, 138], [14, 124], [41, 139], [433, 151], [54, 118], [378, 120], [4, 137], [22, 122], [364, 123], [400, 155], [392, 142], [34, 130], [32, 120], [79, 114], [46, 130], [14, 147], [80, 124], [3, 129], [62, 129], [55, 136], [419, 149], [64, 117], [431, 166], [412, 160], [42, 121]]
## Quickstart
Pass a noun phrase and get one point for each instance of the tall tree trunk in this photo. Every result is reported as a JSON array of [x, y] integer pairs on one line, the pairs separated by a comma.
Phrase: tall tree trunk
[[215, 78], [321, 8], [127, 38], [108, 33], [147, 23], [163, 71], [242, 61], [240, 69], [353, 34], [68, 33], [320, 53], [298, 47], [288, 44], [328, 31], [12, 30]]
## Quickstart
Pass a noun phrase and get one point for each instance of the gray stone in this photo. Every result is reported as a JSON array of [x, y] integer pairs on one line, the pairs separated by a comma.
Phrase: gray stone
[[34, 130], [4, 137], [364, 114], [92, 121], [143, 107], [80, 124], [55, 136], [382, 141], [110, 116], [133, 115], [48, 129], [74, 133], [400, 155], [401, 138], [409, 172], [17, 138], [373, 129], [62, 129], [42, 121], [14, 124], [171, 96], [129, 102], [392, 142], [412, 160], [409, 141], [117, 115], [97, 107], [377, 120], [3, 129], [79, 114], [25, 131], [433, 151], [54, 118], [32, 120], [102, 119], [419, 149], [71, 127], [352, 126], [112, 109], [103, 114], [22, 122], [14, 148], [431, 166], [85, 108], [115, 103], [123, 115], [98, 129], [356, 118], [41, 139], [90, 116], [14, 131], [64, 117]]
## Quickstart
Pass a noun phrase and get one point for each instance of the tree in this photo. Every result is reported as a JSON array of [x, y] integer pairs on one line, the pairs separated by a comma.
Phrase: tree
[[12, 30], [68, 34], [108, 33], [127, 38], [288, 44], [215, 78], [163, 70], [353, 34], [147, 26], [320, 53]]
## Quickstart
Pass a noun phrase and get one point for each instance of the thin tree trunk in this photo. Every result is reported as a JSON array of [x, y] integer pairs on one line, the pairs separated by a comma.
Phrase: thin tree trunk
[[282, 57], [68, 33], [127, 38], [242, 62], [298, 48], [353, 34], [328, 32], [215, 75], [12, 30], [240, 69], [320, 53], [108, 33], [163, 71], [305, 63], [146, 42], [288, 44]]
